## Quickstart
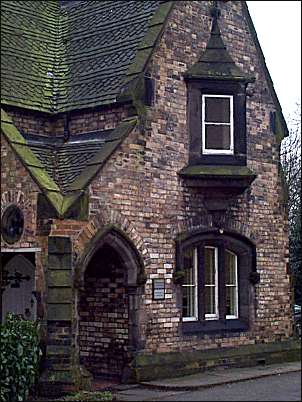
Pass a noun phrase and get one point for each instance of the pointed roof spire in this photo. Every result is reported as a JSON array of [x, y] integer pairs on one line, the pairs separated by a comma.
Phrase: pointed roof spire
[[215, 62]]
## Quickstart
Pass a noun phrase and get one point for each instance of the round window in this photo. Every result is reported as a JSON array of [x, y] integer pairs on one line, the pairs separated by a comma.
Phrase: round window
[[12, 224]]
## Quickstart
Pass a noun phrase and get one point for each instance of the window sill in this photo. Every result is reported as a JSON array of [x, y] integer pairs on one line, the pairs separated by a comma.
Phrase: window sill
[[213, 326], [230, 178]]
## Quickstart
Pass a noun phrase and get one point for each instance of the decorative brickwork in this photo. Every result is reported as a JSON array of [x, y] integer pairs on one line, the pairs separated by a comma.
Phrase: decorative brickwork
[[18, 188], [101, 218], [22, 194]]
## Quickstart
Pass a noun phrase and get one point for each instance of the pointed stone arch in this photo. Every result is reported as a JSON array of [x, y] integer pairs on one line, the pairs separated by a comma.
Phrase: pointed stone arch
[[107, 219], [124, 247], [128, 259]]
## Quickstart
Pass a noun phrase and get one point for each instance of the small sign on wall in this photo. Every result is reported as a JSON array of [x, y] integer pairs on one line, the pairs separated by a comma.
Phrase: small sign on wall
[[158, 289]]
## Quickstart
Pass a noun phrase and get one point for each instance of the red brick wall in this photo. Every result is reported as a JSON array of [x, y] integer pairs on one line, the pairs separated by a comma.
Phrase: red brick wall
[[257, 214]]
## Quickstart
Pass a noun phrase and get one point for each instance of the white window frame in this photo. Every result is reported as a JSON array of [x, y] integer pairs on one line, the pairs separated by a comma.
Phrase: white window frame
[[214, 316], [208, 151], [232, 317], [194, 285]]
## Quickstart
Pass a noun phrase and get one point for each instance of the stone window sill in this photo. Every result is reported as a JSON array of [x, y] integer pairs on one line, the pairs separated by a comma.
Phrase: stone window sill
[[213, 326]]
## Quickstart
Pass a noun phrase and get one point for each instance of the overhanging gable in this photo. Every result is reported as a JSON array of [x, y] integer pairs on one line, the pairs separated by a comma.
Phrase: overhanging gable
[[62, 198]]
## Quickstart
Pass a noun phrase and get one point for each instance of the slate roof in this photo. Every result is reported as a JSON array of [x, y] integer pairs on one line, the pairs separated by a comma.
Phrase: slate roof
[[64, 170], [64, 161], [59, 56]]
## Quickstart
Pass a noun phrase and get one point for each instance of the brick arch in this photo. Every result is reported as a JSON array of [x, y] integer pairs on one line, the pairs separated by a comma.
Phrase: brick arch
[[15, 197], [124, 247], [205, 223], [19, 199], [103, 220]]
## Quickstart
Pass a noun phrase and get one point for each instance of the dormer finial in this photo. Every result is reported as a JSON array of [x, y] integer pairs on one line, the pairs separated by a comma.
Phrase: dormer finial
[[215, 11], [215, 62]]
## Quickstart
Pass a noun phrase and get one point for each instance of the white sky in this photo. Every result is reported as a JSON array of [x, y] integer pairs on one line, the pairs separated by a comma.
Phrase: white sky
[[278, 27]]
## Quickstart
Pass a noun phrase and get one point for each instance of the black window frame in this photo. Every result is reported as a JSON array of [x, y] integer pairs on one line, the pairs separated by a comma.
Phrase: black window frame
[[246, 260], [197, 88]]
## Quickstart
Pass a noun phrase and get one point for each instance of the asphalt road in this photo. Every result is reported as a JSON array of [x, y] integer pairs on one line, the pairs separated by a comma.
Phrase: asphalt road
[[282, 387]]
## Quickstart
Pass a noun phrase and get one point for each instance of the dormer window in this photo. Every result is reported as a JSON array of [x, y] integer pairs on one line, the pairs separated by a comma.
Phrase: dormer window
[[216, 105], [217, 124]]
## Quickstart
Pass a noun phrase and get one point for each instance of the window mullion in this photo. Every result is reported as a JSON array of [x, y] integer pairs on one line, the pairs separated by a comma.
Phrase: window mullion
[[200, 281], [221, 283]]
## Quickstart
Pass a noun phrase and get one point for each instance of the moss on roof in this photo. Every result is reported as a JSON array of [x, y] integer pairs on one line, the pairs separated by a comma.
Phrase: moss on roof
[[62, 198], [57, 58]]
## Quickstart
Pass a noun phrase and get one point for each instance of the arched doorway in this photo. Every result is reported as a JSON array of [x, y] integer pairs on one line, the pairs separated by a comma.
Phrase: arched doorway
[[108, 307]]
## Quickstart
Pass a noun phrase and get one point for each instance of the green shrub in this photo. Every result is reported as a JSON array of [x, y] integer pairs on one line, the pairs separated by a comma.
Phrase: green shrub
[[19, 358]]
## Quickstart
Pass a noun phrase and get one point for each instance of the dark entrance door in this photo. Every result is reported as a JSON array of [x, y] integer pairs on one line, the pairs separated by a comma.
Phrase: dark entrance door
[[104, 314], [18, 286]]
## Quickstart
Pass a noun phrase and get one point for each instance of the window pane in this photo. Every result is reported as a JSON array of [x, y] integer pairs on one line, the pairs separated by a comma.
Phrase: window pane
[[217, 137], [211, 285], [231, 300], [209, 265], [217, 110], [231, 284], [190, 285], [210, 300], [188, 301], [189, 278], [230, 268]]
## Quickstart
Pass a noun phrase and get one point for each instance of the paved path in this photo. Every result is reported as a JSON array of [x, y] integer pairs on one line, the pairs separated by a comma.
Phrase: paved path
[[269, 383], [223, 376], [280, 387]]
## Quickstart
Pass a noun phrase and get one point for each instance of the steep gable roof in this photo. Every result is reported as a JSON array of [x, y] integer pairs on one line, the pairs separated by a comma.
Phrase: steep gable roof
[[58, 57], [63, 55], [215, 62], [60, 170]]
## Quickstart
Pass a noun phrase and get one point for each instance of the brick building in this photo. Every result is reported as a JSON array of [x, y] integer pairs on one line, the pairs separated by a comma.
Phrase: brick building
[[143, 220]]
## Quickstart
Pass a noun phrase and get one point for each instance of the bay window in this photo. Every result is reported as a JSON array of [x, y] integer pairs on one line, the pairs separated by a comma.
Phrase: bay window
[[217, 123]]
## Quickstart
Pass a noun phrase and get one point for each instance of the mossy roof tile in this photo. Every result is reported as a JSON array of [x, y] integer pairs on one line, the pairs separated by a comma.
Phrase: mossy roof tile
[[61, 169], [58, 58]]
